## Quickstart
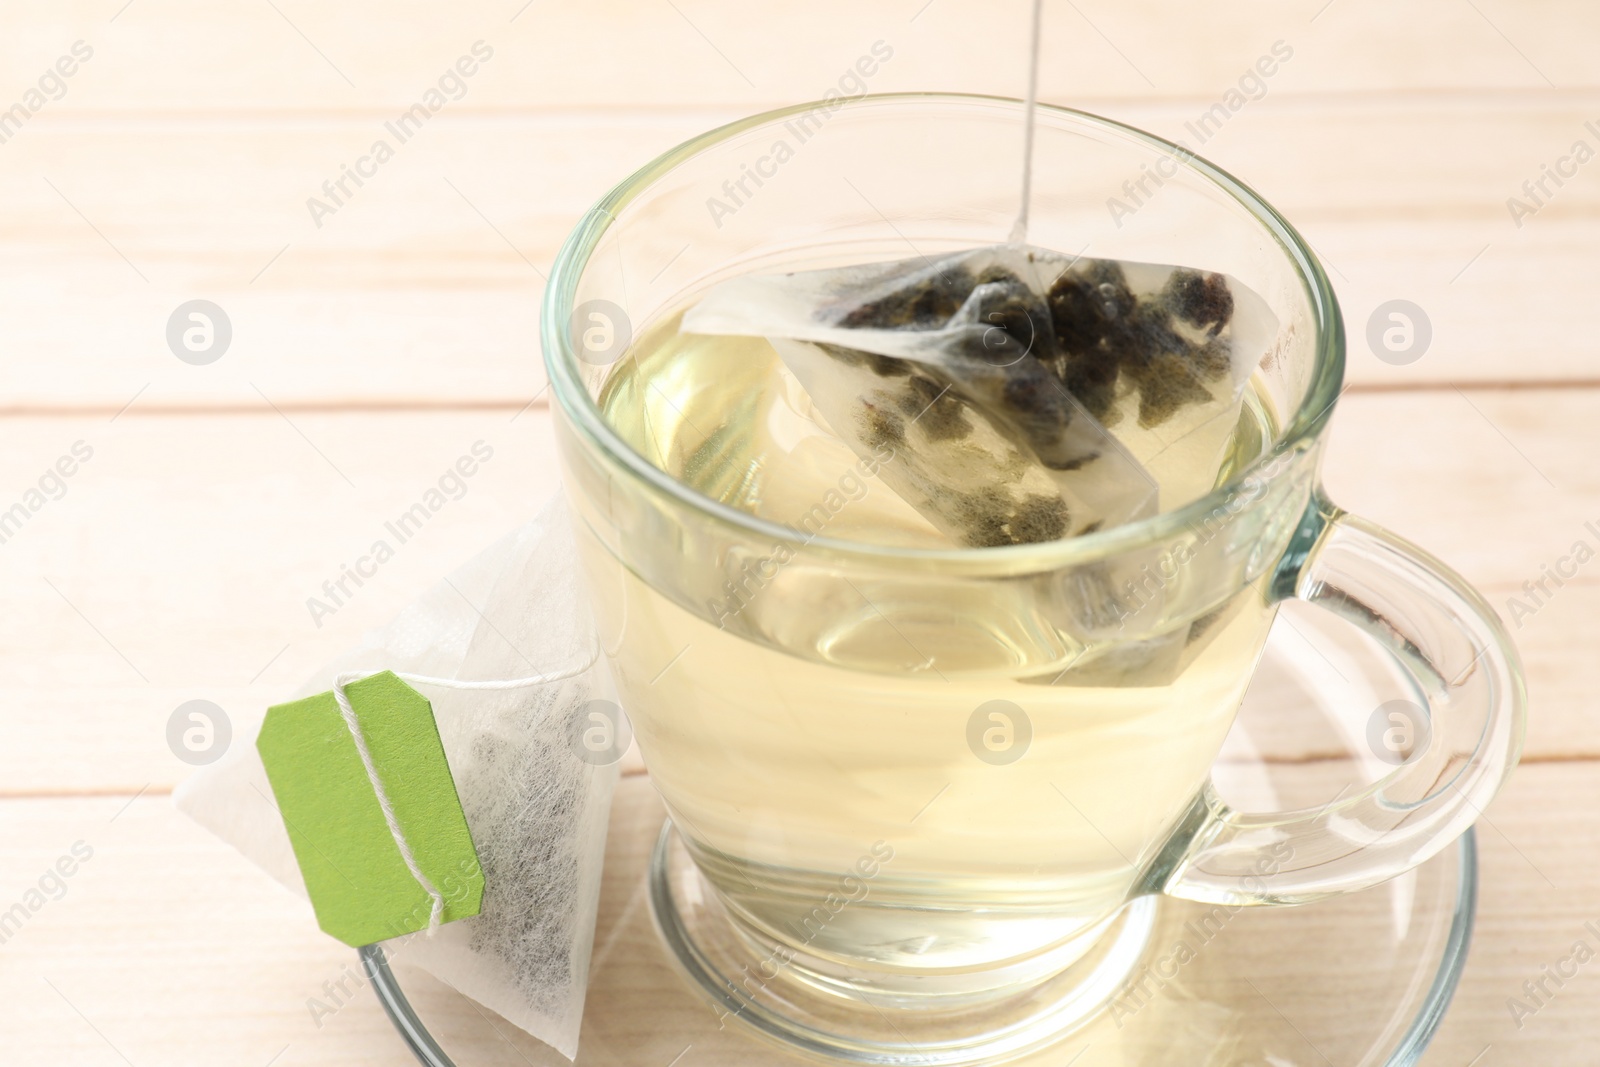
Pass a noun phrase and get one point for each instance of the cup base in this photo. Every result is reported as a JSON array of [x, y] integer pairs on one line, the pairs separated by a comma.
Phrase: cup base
[[779, 1003]]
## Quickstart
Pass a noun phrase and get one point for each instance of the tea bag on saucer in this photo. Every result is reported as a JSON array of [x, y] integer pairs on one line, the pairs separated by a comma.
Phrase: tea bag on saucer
[[536, 800], [995, 376]]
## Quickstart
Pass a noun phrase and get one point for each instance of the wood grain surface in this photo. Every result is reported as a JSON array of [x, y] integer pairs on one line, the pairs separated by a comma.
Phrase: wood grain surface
[[373, 350]]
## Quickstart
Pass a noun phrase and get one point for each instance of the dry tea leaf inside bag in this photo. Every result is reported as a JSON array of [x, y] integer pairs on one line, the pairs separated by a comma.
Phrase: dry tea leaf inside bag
[[937, 364], [1162, 356]]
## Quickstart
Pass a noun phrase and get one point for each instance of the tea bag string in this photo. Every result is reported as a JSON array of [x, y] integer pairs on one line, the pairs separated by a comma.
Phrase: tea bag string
[[436, 911], [1019, 229]]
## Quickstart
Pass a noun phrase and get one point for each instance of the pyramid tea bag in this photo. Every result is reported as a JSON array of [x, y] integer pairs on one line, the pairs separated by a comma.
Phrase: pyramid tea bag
[[996, 375], [535, 807]]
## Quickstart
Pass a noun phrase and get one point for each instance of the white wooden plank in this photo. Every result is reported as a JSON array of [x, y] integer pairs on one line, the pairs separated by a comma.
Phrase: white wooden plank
[[167, 54], [191, 544], [426, 285], [179, 562]]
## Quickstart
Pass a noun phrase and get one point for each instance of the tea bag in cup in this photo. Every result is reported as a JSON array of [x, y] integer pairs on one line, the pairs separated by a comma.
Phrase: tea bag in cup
[[995, 376]]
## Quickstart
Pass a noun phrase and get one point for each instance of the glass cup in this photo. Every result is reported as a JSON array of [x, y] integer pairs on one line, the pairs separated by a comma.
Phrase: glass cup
[[924, 800]]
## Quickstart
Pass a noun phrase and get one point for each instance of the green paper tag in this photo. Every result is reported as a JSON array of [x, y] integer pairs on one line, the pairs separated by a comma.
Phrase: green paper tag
[[359, 883]]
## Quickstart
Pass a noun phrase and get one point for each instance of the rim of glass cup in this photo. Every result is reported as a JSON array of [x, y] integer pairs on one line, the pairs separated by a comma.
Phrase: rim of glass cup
[[562, 363]]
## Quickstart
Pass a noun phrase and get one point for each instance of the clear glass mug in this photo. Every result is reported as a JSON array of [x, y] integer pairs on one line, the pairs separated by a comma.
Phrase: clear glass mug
[[947, 785]]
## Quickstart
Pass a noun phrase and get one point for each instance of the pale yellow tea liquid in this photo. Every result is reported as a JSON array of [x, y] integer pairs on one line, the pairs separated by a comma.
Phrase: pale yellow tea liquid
[[827, 755]]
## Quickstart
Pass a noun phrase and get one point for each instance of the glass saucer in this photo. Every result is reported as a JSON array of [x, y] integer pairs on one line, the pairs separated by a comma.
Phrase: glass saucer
[[1361, 980]]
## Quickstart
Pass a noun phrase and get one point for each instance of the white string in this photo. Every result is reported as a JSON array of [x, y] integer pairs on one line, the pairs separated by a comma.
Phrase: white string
[[1019, 229], [436, 912]]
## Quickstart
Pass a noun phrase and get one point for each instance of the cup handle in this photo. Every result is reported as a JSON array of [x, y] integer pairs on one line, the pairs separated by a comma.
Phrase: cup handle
[[1454, 646]]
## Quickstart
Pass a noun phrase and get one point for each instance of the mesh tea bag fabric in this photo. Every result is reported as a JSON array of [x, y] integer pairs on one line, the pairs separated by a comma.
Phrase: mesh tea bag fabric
[[537, 812], [996, 375]]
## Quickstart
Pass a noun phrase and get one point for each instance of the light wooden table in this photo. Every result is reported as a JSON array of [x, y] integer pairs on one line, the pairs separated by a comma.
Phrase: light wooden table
[[368, 352]]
